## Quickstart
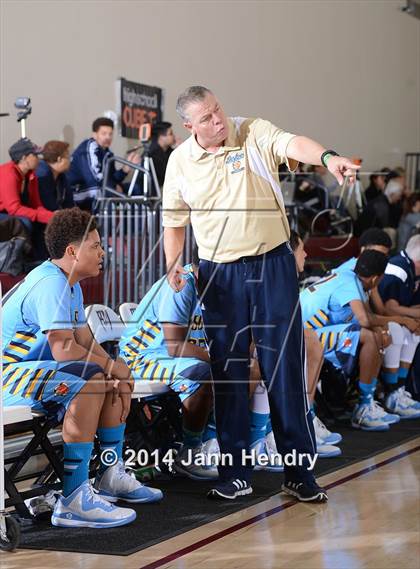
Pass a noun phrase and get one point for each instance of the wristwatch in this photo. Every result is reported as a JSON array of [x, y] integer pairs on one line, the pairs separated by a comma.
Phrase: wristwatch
[[327, 154]]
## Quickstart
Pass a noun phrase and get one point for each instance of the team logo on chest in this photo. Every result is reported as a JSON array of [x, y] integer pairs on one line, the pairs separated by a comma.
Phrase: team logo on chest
[[236, 162]]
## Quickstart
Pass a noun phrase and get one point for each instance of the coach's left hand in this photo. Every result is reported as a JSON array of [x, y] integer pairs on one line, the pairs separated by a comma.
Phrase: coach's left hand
[[340, 166]]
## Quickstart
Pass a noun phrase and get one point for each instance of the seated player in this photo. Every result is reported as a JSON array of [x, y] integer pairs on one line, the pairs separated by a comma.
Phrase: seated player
[[335, 308], [397, 290], [404, 330], [52, 363], [166, 342], [325, 439]]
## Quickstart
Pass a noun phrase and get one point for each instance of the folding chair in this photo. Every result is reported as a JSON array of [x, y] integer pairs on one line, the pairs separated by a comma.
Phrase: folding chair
[[126, 311], [20, 420]]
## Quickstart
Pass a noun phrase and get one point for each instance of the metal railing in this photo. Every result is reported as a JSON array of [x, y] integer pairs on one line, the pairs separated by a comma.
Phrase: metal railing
[[132, 234], [412, 170]]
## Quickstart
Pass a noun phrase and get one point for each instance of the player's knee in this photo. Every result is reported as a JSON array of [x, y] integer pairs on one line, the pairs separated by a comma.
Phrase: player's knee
[[397, 333], [368, 337]]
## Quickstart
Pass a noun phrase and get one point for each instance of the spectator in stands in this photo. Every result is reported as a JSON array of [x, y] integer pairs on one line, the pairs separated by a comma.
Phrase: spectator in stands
[[86, 174], [335, 308], [384, 210], [402, 328], [54, 188], [19, 195], [398, 292], [410, 221], [53, 364], [377, 183], [163, 141], [167, 342]]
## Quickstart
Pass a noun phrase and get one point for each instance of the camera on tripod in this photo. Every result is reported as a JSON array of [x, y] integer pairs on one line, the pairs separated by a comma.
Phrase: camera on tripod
[[23, 104]]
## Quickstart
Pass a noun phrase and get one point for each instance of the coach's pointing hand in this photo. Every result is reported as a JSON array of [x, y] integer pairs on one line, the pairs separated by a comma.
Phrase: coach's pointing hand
[[340, 166]]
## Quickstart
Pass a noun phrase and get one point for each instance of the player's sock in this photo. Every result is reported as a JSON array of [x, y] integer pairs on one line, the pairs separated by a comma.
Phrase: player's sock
[[268, 427], [403, 374], [366, 391], [390, 380], [259, 414], [111, 438], [76, 465], [258, 423], [192, 439], [210, 430], [312, 410]]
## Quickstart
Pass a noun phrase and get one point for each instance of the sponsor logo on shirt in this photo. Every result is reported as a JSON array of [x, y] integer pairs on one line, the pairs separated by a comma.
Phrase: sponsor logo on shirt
[[236, 162]]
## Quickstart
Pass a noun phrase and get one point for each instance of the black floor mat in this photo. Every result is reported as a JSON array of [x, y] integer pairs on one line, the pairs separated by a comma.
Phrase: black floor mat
[[185, 506]]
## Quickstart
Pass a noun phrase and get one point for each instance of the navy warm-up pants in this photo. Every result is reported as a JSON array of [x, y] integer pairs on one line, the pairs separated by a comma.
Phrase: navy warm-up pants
[[257, 298]]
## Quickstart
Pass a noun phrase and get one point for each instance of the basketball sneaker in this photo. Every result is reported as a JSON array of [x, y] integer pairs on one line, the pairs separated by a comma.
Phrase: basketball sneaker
[[84, 508], [401, 403], [230, 490], [322, 433], [195, 464], [326, 451], [117, 484], [267, 450], [211, 450], [369, 417], [305, 491]]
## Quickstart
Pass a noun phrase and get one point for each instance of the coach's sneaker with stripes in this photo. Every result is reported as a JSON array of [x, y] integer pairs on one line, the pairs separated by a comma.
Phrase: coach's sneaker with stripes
[[322, 433], [85, 508], [117, 484], [196, 464], [230, 490], [305, 491], [401, 403], [369, 417]]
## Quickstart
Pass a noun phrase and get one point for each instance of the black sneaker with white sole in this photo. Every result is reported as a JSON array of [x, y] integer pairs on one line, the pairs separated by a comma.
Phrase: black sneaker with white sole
[[305, 491], [230, 490]]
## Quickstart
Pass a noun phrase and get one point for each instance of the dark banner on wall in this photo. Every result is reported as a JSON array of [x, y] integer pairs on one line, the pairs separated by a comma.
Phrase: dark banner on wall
[[139, 104]]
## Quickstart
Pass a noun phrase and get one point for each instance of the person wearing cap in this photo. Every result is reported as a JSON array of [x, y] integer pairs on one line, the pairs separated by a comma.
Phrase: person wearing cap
[[223, 179], [54, 188], [19, 195], [334, 307]]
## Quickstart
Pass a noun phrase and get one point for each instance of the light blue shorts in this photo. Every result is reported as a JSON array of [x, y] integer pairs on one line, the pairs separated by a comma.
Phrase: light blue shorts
[[182, 375], [46, 386], [340, 343]]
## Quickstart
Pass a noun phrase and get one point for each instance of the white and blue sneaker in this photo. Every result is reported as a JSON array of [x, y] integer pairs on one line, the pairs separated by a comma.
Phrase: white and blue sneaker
[[211, 450], [117, 484], [321, 432], [369, 417], [266, 455], [196, 464], [401, 403], [84, 508], [326, 451]]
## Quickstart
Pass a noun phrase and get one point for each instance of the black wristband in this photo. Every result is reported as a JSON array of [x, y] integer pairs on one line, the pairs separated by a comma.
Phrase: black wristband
[[325, 154]]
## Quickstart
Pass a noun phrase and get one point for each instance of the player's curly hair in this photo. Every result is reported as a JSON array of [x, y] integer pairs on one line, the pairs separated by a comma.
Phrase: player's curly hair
[[65, 227]]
